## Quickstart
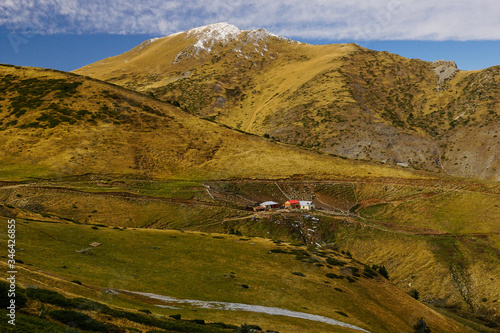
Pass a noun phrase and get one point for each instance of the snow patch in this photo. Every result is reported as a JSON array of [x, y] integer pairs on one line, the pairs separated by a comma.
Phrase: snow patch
[[149, 41], [249, 308], [222, 34]]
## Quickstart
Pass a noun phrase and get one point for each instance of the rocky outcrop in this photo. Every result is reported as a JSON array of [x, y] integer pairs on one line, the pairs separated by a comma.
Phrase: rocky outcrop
[[445, 70]]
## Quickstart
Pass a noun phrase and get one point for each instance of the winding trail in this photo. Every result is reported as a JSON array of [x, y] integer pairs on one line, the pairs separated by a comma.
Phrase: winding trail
[[249, 308]]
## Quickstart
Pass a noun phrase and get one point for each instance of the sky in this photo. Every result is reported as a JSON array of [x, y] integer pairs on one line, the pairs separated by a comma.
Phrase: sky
[[68, 34]]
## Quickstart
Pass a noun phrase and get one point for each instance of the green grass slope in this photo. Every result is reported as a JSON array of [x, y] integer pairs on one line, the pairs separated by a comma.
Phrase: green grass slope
[[204, 267]]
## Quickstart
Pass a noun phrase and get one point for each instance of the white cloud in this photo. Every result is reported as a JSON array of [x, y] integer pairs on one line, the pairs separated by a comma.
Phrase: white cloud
[[313, 19]]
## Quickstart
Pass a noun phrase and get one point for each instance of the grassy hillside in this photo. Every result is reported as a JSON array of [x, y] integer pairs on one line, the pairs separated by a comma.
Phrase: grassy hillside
[[86, 161], [204, 267], [340, 99], [57, 124], [428, 234]]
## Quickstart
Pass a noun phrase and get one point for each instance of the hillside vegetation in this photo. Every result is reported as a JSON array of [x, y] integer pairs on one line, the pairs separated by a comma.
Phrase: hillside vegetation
[[209, 268], [340, 99], [59, 124], [166, 192]]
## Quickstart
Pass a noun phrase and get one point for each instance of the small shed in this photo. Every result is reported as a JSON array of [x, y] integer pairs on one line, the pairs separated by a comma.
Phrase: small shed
[[293, 204], [270, 204], [259, 208], [306, 205]]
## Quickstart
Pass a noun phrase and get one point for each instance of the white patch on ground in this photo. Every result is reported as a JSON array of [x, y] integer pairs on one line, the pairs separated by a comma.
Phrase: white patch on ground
[[149, 41], [222, 34], [249, 308]]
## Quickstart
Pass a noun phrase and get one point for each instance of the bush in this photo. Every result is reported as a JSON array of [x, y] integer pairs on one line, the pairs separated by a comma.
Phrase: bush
[[278, 251], [414, 293], [300, 254], [335, 262], [298, 274], [342, 313], [78, 320], [381, 270], [421, 326], [51, 297], [20, 297], [369, 273], [333, 276], [86, 304]]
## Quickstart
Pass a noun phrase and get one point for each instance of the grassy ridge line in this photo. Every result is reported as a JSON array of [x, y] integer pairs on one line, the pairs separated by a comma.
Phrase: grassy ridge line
[[153, 140]]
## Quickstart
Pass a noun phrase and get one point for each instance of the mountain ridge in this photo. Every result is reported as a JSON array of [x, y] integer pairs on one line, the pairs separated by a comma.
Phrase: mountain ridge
[[339, 98], [86, 153]]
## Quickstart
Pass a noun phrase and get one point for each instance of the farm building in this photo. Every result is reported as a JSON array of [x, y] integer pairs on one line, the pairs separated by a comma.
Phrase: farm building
[[259, 208], [270, 205], [306, 205], [293, 204]]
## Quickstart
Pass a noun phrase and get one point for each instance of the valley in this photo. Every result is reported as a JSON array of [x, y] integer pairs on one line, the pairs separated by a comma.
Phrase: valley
[[135, 184]]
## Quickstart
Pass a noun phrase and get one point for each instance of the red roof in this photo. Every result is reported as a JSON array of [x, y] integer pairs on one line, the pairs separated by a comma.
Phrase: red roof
[[293, 201]]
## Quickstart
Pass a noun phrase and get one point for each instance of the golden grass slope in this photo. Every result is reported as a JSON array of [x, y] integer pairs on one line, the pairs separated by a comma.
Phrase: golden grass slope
[[56, 124], [340, 99]]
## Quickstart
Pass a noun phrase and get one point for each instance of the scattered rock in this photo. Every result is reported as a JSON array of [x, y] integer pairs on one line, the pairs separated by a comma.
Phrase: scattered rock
[[111, 292]]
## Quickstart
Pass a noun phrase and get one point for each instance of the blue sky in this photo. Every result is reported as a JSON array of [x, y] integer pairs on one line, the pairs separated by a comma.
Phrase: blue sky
[[68, 34]]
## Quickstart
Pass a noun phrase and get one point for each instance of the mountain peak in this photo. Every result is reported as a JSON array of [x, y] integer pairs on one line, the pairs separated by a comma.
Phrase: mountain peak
[[222, 31], [224, 34]]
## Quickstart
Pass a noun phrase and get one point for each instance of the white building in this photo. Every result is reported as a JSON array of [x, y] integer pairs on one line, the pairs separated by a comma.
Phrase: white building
[[270, 205], [306, 205]]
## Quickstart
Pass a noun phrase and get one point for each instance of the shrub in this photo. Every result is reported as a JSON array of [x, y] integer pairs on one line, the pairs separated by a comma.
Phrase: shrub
[[421, 326], [383, 271], [298, 274], [78, 320], [335, 262], [77, 282], [414, 293], [350, 279], [333, 276], [86, 304], [278, 251], [51, 297], [20, 297], [369, 273], [300, 254]]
